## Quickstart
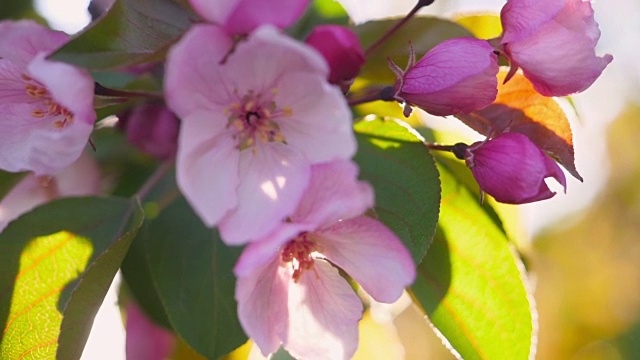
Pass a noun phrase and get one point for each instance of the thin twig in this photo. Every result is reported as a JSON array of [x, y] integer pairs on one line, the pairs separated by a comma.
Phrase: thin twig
[[396, 27], [160, 172]]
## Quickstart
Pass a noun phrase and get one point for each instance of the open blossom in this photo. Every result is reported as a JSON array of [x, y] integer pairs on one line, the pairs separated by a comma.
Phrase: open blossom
[[342, 50], [80, 178], [289, 290], [241, 17], [553, 41], [456, 76], [252, 126], [47, 107], [512, 169]]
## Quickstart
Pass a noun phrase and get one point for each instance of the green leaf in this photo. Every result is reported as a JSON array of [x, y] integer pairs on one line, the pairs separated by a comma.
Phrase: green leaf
[[423, 32], [14, 9], [193, 272], [405, 179], [470, 284], [132, 32], [137, 276], [8, 181], [136, 270], [56, 265]]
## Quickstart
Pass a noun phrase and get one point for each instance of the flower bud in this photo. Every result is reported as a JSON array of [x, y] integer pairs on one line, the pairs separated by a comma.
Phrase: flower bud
[[512, 169], [553, 41], [145, 339], [457, 76], [342, 50], [153, 129]]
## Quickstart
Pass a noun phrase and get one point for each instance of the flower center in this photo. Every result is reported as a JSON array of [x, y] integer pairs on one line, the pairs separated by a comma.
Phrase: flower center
[[254, 117], [300, 253], [62, 116]]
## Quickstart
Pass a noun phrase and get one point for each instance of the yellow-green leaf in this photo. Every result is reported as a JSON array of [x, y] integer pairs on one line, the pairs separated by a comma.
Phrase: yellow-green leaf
[[470, 283], [56, 265]]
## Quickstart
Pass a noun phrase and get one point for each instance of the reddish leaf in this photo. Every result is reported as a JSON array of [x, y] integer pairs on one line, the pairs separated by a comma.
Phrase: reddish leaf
[[519, 108]]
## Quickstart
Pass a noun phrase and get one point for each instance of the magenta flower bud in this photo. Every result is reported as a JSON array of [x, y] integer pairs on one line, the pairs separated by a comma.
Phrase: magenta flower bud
[[553, 41], [145, 339], [342, 50], [153, 129], [241, 17], [512, 169], [457, 76]]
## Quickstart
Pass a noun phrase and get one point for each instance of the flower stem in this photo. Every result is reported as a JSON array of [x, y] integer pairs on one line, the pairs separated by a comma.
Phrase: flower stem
[[396, 27], [384, 94], [148, 185], [105, 91], [458, 149]]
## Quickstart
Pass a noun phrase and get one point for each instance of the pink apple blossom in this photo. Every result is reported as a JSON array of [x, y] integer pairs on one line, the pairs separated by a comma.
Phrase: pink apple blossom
[[342, 50], [252, 126], [456, 76], [512, 169], [47, 107], [80, 178], [145, 339], [553, 41], [289, 290], [241, 17]]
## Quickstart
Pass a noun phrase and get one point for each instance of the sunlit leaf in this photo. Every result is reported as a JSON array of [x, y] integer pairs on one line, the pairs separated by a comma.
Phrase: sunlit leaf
[[482, 26], [132, 32], [405, 179], [519, 108], [56, 265], [470, 283], [193, 273], [423, 32]]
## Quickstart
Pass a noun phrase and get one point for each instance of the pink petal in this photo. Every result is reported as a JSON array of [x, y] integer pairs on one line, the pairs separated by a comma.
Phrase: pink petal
[[286, 57], [207, 167], [259, 252], [272, 181], [80, 178], [545, 60], [456, 76], [34, 144], [21, 41], [145, 339], [341, 48], [512, 169], [520, 18], [216, 11], [262, 304], [553, 41], [323, 316], [250, 14], [334, 193], [370, 253], [12, 86], [320, 125], [194, 80], [69, 86]]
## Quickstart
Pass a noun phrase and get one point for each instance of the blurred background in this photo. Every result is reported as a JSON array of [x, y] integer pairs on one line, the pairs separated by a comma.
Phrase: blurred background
[[582, 248]]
